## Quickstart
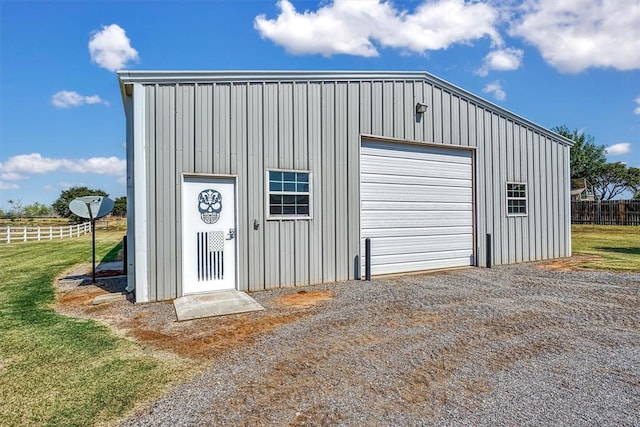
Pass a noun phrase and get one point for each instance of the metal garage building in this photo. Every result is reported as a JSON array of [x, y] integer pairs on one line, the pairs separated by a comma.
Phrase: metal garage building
[[256, 180]]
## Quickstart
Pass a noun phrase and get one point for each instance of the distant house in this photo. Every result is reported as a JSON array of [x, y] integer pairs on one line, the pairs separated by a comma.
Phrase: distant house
[[254, 180], [581, 190]]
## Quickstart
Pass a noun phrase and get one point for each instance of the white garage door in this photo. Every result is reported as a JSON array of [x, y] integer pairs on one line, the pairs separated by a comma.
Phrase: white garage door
[[416, 206]]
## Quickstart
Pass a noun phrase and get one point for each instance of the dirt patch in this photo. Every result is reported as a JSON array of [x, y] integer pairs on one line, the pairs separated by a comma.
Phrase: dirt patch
[[205, 338], [154, 325], [304, 299], [568, 264]]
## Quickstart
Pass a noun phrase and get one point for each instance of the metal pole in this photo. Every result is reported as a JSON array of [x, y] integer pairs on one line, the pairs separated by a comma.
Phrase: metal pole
[[489, 250], [93, 243], [93, 247], [367, 259]]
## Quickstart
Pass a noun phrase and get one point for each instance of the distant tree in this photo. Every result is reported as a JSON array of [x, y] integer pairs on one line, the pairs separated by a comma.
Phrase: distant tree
[[37, 209], [120, 206], [16, 209], [615, 179], [61, 205], [587, 159], [636, 195]]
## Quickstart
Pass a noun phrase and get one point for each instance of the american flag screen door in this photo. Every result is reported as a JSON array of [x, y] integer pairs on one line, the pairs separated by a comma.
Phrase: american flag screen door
[[210, 255]]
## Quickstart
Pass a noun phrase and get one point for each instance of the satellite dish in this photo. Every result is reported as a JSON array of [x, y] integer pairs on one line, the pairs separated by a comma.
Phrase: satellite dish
[[92, 207]]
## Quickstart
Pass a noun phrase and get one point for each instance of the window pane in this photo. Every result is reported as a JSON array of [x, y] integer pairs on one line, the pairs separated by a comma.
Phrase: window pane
[[289, 200], [275, 210], [303, 188], [303, 210], [289, 176], [303, 177], [302, 200], [290, 186], [275, 199], [275, 176], [288, 210], [275, 186]]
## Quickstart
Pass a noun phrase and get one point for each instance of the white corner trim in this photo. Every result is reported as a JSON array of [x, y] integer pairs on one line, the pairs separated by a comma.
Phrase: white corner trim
[[140, 195]]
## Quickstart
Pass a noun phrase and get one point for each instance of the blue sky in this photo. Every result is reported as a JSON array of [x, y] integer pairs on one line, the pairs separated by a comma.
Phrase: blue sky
[[575, 62]]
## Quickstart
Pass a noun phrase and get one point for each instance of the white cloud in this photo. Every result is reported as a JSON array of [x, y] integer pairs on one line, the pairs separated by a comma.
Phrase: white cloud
[[352, 27], [618, 149], [508, 59], [34, 163], [8, 186], [495, 89], [573, 35], [110, 48], [66, 99], [11, 176], [637, 109]]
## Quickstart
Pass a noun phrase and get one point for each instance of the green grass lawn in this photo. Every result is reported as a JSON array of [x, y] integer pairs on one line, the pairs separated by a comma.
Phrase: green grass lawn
[[56, 370], [613, 247]]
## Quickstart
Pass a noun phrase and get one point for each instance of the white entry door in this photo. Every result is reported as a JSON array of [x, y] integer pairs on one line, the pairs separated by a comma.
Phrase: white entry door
[[208, 234]]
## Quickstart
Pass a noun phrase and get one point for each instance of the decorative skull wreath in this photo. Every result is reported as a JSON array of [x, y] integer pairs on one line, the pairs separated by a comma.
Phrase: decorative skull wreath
[[209, 205]]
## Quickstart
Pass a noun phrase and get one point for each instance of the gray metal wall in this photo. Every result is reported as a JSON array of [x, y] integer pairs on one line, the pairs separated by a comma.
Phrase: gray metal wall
[[245, 127]]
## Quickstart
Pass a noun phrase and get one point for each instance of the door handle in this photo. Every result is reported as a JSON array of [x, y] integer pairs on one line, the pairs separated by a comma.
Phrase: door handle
[[232, 233]]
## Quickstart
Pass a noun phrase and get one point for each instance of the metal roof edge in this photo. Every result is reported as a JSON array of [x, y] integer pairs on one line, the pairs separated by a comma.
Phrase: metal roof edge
[[203, 76]]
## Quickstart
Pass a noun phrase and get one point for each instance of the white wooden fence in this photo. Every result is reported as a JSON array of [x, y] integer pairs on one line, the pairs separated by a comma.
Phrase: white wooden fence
[[9, 234]]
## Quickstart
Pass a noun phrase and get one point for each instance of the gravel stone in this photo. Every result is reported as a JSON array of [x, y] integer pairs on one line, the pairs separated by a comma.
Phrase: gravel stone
[[512, 345]]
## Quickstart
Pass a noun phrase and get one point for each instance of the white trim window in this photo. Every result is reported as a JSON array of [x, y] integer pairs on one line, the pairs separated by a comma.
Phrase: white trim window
[[516, 199], [289, 194]]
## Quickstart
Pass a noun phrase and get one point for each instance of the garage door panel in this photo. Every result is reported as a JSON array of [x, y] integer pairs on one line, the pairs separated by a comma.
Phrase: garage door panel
[[416, 231], [416, 168], [423, 265], [407, 151], [416, 206], [389, 206], [422, 244], [414, 192], [419, 219], [433, 181], [421, 256]]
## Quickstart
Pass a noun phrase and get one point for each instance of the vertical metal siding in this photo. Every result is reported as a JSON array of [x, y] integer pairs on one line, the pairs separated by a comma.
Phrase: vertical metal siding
[[238, 157], [150, 133], [341, 183], [315, 136], [353, 179], [255, 195], [300, 162], [249, 127], [185, 161], [271, 228]]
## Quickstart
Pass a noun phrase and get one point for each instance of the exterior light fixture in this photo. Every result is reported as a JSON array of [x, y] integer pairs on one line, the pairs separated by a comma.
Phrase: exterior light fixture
[[421, 108]]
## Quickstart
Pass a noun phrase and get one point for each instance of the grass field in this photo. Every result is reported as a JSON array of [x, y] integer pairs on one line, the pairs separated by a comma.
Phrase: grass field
[[61, 371], [610, 247]]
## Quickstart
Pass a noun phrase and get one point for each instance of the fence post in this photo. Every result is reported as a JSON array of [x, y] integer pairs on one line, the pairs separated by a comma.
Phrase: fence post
[[50, 232], [38, 233], [24, 233], [8, 234]]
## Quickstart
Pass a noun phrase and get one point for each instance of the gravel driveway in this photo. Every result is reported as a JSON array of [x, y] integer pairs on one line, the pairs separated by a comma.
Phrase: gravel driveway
[[513, 345]]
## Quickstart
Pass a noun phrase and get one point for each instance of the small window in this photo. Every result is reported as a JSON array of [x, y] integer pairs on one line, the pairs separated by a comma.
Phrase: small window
[[516, 199], [289, 194]]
